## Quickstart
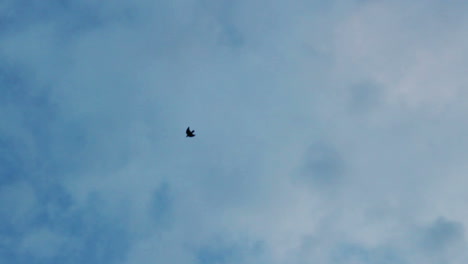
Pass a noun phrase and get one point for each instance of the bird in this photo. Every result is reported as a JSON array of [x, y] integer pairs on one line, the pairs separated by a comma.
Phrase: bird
[[189, 133]]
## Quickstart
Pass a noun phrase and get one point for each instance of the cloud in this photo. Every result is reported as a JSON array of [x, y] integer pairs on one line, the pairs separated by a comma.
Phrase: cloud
[[41, 244], [442, 234], [326, 132], [397, 47]]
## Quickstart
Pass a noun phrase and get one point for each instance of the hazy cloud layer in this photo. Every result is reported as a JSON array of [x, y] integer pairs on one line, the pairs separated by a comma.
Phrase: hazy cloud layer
[[327, 132]]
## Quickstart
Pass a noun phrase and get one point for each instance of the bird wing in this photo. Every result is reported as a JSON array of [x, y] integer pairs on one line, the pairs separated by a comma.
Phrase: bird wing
[[188, 130]]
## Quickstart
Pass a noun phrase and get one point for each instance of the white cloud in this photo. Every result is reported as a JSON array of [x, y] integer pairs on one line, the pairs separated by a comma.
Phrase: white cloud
[[416, 50]]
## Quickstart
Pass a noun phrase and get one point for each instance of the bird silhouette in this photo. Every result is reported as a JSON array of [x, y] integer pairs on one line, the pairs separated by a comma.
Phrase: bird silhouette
[[189, 133]]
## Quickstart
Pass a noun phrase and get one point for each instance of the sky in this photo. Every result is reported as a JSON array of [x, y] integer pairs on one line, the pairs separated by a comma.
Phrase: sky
[[327, 132]]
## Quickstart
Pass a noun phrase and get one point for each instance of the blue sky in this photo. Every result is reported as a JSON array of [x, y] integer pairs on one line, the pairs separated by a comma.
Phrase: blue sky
[[327, 132]]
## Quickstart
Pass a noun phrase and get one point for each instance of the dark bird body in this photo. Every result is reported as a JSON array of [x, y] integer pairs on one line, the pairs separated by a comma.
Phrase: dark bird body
[[189, 133]]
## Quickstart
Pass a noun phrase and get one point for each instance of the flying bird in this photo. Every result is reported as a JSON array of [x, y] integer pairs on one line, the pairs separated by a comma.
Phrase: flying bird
[[189, 133]]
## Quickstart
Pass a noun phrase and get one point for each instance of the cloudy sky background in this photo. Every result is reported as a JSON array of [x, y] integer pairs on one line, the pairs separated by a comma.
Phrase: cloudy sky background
[[327, 131]]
